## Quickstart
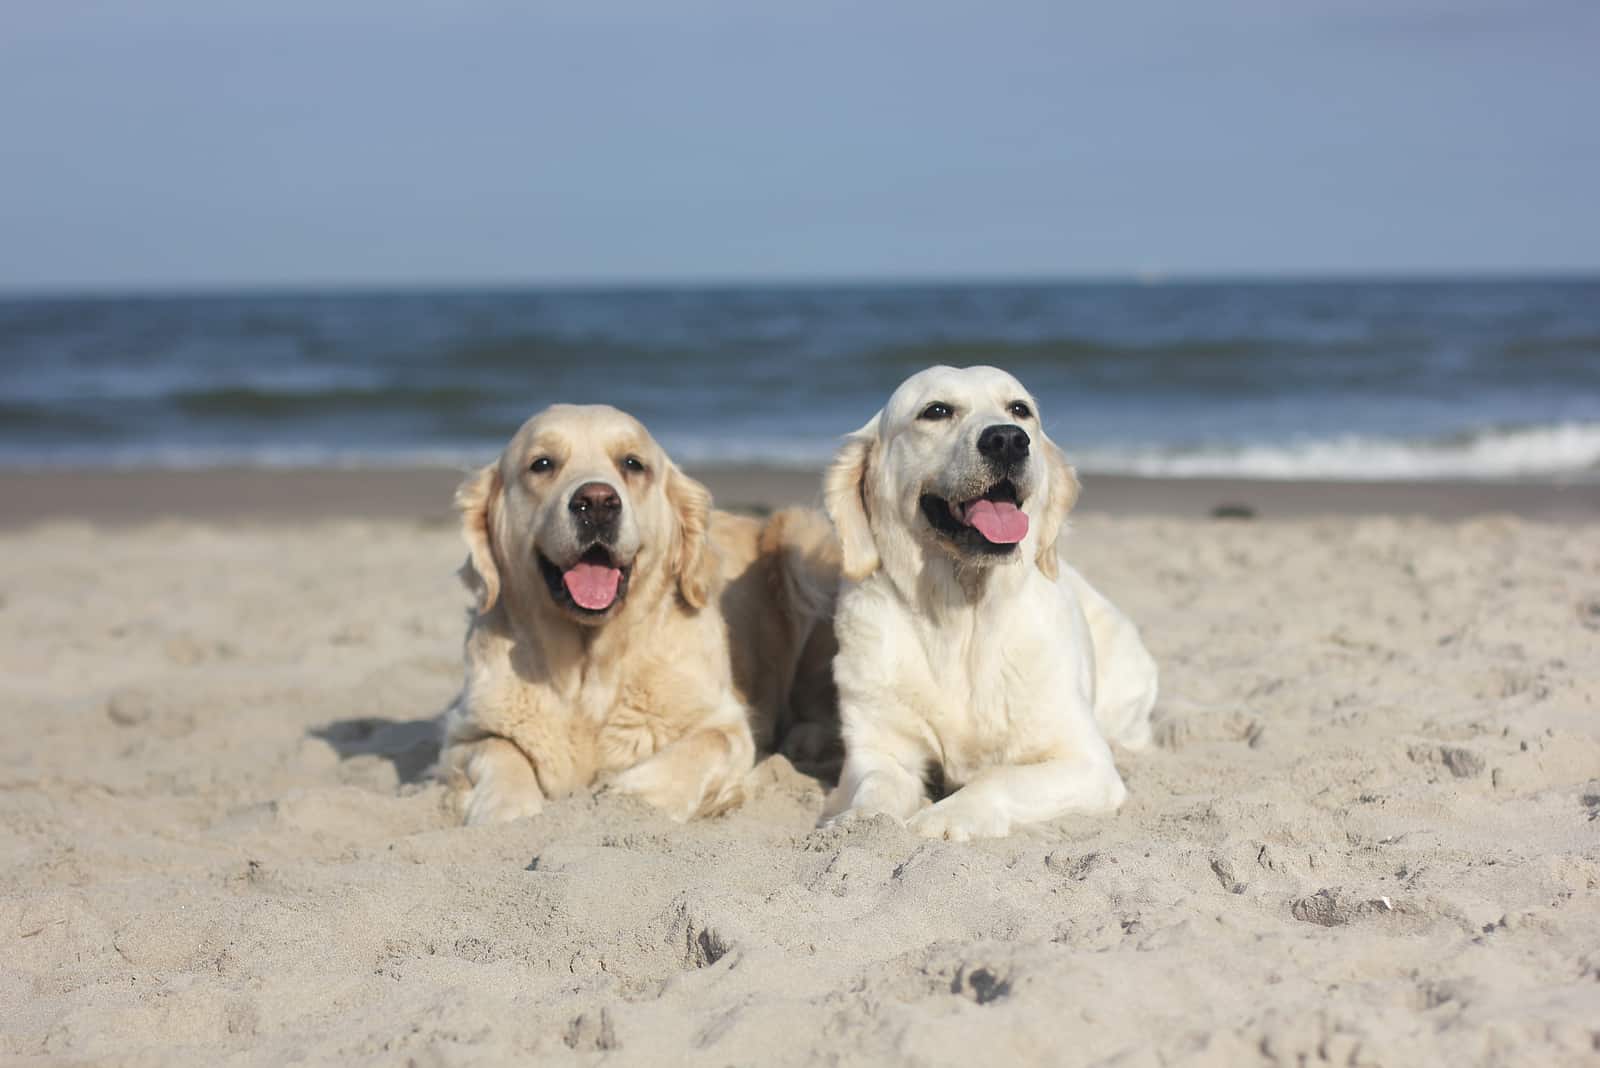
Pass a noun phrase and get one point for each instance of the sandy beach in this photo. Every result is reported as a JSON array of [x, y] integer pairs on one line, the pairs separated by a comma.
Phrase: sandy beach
[[1369, 832]]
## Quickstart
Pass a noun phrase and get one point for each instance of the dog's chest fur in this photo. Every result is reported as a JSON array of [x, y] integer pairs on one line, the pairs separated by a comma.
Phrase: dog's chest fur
[[985, 683], [981, 703], [580, 717]]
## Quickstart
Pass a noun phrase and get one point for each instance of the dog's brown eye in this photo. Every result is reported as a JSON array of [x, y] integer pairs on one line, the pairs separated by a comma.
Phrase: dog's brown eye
[[541, 465], [633, 464], [936, 411], [1020, 410]]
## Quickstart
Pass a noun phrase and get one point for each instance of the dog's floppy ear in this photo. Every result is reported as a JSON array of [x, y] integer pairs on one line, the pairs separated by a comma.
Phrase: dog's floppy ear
[[1063, 495], [844, 496], [478, 500], [692, 561]]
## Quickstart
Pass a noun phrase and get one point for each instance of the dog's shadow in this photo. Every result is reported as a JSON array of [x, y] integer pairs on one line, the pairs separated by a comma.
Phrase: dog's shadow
[[410, 745]]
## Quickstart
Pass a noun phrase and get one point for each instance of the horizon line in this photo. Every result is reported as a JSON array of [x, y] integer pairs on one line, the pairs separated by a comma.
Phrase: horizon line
[[1152, 278]]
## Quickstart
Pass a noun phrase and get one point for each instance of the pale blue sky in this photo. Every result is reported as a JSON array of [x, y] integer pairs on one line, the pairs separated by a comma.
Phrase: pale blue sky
[[159, 143]]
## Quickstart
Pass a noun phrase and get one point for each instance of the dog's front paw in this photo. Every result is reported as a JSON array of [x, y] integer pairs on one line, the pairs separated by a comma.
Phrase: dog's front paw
[[960, 822], [493, 783], [488, 803], [652, 784]]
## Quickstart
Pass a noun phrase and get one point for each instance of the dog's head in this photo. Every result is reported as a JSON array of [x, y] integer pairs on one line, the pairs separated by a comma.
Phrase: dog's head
[[582, 511], [957, 462]]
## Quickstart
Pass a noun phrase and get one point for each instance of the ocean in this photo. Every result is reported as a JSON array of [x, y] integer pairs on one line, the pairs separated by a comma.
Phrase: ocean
[[1310, 380]]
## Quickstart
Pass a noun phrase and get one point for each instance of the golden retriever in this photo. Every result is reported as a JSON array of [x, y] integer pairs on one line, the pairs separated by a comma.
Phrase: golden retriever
[[626, 633], [967, 648]]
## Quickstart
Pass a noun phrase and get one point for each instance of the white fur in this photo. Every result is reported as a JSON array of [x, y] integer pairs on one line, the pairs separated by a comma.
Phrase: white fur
[[1008, 673]]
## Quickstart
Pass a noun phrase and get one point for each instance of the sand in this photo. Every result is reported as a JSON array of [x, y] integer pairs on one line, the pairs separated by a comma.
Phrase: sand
[[1368, 834], [277, 496]]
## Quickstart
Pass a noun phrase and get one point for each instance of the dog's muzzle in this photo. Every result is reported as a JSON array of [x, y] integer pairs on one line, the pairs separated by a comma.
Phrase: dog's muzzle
[[596, 581]]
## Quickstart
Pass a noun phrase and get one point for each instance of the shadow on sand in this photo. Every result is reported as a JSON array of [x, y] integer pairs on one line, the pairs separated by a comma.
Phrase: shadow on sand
[[411, 745]]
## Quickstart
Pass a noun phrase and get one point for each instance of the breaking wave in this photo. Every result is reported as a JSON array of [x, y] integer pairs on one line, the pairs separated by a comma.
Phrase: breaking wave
[[1563, 451]]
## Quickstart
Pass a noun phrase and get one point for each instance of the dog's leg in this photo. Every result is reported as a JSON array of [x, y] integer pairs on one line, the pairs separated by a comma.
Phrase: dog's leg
[[872, 782], [997, 799], [493, 781], [700, 774], [1126, 679]]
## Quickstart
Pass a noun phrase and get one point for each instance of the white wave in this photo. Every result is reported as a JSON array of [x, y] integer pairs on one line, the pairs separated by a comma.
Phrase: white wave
[[1561, 451], [267, 457], [692, 451], [802, 453]]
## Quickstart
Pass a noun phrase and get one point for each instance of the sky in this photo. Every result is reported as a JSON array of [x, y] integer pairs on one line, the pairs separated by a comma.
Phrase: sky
[[222, 143]]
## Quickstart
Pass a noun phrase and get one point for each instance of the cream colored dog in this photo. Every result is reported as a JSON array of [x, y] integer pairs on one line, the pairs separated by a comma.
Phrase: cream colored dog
[[625, 632], [967, 648]]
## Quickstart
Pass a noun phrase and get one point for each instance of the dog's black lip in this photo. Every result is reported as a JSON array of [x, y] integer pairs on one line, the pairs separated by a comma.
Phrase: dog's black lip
[[942, 518], [594, 554]]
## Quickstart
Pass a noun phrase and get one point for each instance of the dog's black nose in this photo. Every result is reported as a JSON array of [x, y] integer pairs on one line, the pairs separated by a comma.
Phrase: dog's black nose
[[596, 505], [1005, 443]]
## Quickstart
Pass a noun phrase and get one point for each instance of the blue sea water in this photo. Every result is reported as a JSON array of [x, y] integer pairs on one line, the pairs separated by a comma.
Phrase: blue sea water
[[1380, 379]]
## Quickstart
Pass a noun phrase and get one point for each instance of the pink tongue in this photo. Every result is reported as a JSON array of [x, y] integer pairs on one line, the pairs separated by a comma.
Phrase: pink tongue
[[998, 521], [592, 586]]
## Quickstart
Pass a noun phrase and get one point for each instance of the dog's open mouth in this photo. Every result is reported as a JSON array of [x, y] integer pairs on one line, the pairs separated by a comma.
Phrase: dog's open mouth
[[994, 522], [594, 583]]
